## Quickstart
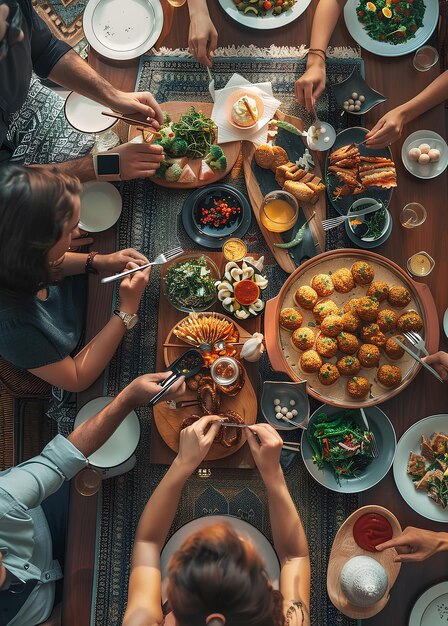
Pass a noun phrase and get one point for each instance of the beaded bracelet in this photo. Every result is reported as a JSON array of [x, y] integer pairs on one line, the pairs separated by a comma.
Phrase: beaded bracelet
[[89, 269]]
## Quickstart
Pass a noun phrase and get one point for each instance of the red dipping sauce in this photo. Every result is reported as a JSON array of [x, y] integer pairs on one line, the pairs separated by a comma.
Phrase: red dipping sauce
[[370, 530]]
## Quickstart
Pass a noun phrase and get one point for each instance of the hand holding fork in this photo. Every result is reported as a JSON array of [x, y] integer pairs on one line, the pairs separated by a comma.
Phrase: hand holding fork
[[159, 260]]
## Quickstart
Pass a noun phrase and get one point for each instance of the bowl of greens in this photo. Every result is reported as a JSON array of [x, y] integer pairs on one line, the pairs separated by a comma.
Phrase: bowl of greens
[[371, 226], [189, 282], [337, 452]]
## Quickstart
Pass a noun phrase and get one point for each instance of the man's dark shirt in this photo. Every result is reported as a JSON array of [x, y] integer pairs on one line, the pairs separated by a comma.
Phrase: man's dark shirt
[[39, 51]]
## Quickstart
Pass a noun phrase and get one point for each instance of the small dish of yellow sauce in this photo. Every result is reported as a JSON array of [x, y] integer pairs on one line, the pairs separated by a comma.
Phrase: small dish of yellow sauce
[[234, 249]]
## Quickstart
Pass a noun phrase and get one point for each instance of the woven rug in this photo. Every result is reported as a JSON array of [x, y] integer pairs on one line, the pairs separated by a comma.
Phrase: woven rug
[[64, 19]]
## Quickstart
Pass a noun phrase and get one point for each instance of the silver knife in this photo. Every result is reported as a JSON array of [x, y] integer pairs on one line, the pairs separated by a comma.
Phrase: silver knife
[[418, 359], [230, 425]]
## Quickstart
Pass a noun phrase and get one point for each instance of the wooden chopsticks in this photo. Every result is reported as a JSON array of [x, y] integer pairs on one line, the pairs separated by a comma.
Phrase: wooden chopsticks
[[133, 122]]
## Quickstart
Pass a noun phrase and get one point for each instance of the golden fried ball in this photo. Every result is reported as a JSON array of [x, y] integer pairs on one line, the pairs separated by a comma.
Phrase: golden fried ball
[[305, 297], [303, 338], [369, 355], [362, 273], [324, 308], [386, 320], [331, 326], [392, 349], [351, 322], [350, 306], [379, 290], [343, 280], [348, 366], [326, 346], [367, 309], [322, 284], [290, 319], [409, 321], [389, 375], [347, 343], [398, 296], [372, 334], [328, 374], [310, 361], [358, 387]]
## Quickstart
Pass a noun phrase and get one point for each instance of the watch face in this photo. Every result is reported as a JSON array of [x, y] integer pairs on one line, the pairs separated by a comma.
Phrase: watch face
[[108, 164]]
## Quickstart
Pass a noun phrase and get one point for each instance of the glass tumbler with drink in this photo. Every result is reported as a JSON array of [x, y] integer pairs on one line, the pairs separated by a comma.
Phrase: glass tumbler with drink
[[279, 211], [425, 58], [412, 215]]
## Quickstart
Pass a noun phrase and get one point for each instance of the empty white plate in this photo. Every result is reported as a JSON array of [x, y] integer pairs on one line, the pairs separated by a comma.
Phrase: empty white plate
[[100, 206], [86, 115], [432, 607], [120, 29]]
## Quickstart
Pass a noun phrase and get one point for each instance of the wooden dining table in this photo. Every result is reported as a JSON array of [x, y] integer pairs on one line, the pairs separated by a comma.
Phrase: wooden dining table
[[399, 81]]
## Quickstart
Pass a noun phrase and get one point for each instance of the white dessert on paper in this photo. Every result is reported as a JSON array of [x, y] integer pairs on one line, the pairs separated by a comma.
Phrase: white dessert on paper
[[240, 113]]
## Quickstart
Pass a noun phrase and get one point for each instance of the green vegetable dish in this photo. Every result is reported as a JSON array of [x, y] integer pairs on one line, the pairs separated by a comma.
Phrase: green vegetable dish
[[190, 284], [192, 136], [391, 21], [260, 8], [339, 441]]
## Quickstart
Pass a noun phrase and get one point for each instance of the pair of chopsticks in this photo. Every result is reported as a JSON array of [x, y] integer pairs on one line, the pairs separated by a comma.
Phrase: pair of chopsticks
[[147, 126], [292, 446]]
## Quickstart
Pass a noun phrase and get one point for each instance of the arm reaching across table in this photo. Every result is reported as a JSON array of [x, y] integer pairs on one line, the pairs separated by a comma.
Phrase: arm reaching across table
[[202, 37], [416, 544]]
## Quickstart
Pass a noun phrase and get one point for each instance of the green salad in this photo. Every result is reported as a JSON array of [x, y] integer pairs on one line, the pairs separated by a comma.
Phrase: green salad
[[260, 8], [190, 285], [391, 21], [339, 441]]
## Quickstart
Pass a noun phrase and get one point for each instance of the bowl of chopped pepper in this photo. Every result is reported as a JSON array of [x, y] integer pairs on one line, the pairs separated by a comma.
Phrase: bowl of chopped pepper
[[189, 282]]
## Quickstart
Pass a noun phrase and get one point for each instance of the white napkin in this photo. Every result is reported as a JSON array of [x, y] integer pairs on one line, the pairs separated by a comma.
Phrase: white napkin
[[227, 132]]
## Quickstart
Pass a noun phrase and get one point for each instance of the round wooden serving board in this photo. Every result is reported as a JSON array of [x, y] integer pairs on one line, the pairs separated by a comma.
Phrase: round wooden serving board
[[231, 149]]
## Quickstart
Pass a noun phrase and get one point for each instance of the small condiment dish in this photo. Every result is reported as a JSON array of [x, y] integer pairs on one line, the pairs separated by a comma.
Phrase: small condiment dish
[[285, 391], [321, 137], [361, 229], [234, 97], [356, 83]]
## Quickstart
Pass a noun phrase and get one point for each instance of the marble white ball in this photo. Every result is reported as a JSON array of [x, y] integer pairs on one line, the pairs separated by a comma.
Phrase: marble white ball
[[363, 581]]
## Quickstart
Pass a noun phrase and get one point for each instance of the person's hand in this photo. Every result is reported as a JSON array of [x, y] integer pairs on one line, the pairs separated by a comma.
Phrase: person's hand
[[139, 104], [196, 440], [142, 389], [202, 38], [267, 449], [79, 239], [4, 12], [117, 261], [415, 544], [387, 129], [439, 361], [309, 86], [132, 288], [139, 160]]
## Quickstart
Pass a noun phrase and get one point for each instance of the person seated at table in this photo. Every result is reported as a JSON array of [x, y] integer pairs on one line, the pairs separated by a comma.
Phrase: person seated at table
[[27, 107], [439, 361], [34, 507], [416, 544], [42, 285], [202, 36], [215, 578]]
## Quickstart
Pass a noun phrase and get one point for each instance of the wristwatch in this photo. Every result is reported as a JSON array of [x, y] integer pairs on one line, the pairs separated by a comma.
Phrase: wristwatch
[[129, 319], [107, 166]]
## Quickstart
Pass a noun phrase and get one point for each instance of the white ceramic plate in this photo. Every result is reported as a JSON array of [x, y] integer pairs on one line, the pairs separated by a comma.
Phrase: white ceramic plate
[[85, 114], [434, 141], [445, 323], [410, 442], [432, 607], [382, 48], [120, 29], [267, 22], [121, 445], [100, 206], [244, 530]]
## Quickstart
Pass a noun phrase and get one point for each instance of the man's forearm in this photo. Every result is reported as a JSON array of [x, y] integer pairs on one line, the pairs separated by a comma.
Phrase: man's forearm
[[82, 168]]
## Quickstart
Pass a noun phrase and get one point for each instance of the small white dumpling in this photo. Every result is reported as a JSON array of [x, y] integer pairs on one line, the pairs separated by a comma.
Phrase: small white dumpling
[[424, 148], [414, 154], [423, 159], [434, 155]]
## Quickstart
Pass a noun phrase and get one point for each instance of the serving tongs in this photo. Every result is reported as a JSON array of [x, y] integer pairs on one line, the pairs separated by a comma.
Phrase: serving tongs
[[188, 365]]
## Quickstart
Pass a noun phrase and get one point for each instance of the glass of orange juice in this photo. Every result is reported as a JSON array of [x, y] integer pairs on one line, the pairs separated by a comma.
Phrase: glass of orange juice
[[279, 211]]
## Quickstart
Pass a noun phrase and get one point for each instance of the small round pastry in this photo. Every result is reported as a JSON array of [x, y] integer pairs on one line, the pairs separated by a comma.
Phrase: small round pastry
[[264, 156], [194, 382], [348, 366], [351, 322], [322, 284], [328, 374], [398, 296], [362, 273], [434, 155], [240, 114], [280, 157], [378, 289], [414, 154], [326, 346], [347, 343], [386, 320], [367, 308], [325, 308], [393, 350], [303, 339], [373, 334], [310, 362], [358, 387], [350, 306], [389, 375], [331, 326], [305, 297], [369, 355], [290, 319], [424, 148], [409, 321], [423, 159], [343, 280]]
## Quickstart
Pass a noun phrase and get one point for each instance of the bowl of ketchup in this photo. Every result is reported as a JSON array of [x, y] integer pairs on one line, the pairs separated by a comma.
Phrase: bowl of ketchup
[[370, 530]]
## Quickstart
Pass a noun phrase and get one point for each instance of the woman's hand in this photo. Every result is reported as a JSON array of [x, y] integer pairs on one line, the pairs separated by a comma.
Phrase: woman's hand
[[142, 389], [439, 361], [415, 544], [387, 129], [309, 87], [202, 37], [267, 449], [196, 440], [132, 288], [117, 261]]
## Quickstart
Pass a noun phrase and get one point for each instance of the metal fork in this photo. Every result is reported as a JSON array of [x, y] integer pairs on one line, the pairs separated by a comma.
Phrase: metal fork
[[416, 340], [337, 221], [373, 443], [159, 260]]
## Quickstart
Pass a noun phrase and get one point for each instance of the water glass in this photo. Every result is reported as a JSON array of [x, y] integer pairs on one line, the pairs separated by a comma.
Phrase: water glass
[[88, 482], [412, 215], [425, 58]]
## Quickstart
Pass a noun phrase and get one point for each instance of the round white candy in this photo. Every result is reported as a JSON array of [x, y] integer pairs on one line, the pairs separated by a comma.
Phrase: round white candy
[[346, 103], [284, 410], [351, 107], [278, 409], [414, 154], [434, 154], [276, 401], [292, 402], [358, 103], [354, 95], [351, 101], [423, 159], [362, 98], [357, 107], [278, 415], [323, 129], [346, 106], [424, 148], [294, 412], [326, 139], [289, 415]]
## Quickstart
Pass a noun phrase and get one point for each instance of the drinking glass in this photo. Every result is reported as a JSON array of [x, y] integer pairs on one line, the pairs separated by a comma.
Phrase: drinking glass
[[425, 58], [412, 215], [177, 3], [279, 211], [88, 481], [420, 264]]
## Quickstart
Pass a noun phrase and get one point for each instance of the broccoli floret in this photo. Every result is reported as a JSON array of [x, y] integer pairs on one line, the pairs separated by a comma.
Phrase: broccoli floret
[[160, 173], [166, 142], [166, 118], [178, 147], [214, 154], [219, 164], [173, 173]]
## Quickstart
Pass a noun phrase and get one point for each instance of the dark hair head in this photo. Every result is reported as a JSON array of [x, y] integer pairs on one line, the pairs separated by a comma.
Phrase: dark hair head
[[215, 572], [35, 203]]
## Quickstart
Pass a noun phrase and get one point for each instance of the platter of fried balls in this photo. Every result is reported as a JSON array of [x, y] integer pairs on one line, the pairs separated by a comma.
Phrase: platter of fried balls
[[337, 329]]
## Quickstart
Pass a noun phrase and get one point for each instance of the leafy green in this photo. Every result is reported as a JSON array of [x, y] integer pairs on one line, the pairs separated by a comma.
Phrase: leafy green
[[197, 130], [189, 284], [396, 27]]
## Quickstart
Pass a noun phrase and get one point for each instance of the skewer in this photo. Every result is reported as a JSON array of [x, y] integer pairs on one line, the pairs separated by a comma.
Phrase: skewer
[[249, 110]]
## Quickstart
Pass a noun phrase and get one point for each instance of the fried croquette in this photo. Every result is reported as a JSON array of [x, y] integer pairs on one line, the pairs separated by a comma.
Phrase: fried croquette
[[369, 355], [325, 308], [379, 290], [350, 306], [409, 321], [348, 366], [389, 375], [322, 284], [350, 322], [290, 319], [372, 334], [367, 309], [398, 296], [305, 297], [386, 320], [347, 343], [264, 156], [358, 387], [331, 326], [310, 361], [280, 157], [328, 374], [392, 349], [362, 273], [326, 346], [303, 338], [343, 280]]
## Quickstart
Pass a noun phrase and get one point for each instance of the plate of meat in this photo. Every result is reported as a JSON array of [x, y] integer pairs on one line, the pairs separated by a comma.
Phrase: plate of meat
[[355, 171]]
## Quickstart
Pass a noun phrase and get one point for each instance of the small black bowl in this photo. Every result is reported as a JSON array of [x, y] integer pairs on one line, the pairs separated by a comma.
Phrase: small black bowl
[[356, 83]]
